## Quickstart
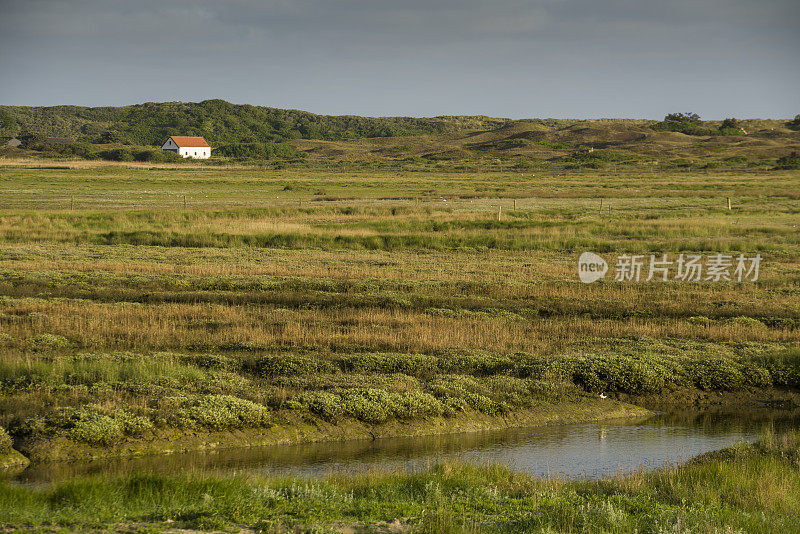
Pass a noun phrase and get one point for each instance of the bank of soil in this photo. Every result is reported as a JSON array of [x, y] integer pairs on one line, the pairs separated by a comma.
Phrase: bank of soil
[[293, 428], [752, 401]]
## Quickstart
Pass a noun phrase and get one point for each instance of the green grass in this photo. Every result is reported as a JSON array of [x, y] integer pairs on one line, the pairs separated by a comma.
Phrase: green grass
[[374, 296], [749, 488]]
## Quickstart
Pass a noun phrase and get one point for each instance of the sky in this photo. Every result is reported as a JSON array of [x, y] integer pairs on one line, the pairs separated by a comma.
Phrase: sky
[[502, 58]]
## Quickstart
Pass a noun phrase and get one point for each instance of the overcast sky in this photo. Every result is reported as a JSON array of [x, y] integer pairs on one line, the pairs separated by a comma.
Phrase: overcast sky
[[505, 58]]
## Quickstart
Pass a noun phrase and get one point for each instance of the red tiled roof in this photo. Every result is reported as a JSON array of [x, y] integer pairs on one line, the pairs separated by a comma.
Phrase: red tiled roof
[[183, 141]]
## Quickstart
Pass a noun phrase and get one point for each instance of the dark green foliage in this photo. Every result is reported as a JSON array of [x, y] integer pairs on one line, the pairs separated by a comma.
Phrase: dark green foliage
[[117, 154], [794, 124], [716, 374], [5, 441], [88, 423], [596, 158], [690, 124], [730, 124], [220, 122], [790, 161], [782, 366], [152, 156], [246, 151], [619, 373], [288, 365], [214, 412], [686, 118], [8, 124], [79, 150], [643, 374], [737, 160], [418, 365], [31, 140]]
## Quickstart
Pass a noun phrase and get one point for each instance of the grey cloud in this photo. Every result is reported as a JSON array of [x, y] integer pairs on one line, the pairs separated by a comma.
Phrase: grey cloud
[[506, 57]]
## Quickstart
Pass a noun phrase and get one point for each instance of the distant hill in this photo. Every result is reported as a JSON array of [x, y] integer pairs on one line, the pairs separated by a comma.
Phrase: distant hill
[[218, 121], [244, 132]]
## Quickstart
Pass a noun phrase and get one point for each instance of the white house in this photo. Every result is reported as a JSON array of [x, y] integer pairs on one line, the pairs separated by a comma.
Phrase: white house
[[188, 147]]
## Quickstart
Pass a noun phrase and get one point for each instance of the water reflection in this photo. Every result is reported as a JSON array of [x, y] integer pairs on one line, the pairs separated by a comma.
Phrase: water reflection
[[590, 449]]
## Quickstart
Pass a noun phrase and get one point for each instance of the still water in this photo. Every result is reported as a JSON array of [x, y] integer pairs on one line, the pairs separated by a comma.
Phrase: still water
[[573, 450]]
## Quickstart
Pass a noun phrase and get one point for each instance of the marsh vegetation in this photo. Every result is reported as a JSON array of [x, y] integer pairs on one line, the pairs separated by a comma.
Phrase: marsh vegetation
[[162, 305]]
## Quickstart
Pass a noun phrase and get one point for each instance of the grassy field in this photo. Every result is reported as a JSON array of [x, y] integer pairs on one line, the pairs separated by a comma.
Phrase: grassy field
[[148, 309], [139, 303]]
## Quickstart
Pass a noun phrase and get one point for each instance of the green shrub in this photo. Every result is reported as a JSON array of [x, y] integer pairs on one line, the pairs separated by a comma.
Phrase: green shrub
[[221, 412], [790, 161], [626, 374], [373, 405], [329, 406], [369, 405], [718, 374], [482, 403], [48, 342], [289, 365], [80, 150], [155, 156], [419, 365], [88, 423], [474, 362], [117, 154], [783, 366], [690, 124], [417, 404], [258, 151], [5, 441]]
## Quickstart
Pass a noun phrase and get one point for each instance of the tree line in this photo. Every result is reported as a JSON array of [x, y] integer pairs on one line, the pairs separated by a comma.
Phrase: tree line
[[220, 122]]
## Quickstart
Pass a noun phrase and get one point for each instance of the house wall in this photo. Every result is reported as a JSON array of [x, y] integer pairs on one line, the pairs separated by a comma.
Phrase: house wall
[[200, 152]]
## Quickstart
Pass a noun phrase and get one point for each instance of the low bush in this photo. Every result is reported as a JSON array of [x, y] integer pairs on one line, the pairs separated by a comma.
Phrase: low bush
[[88, 423], [326, 405], [258, 151], [717, 374], [619, 373], [155, 156], [783, 366], [370, 405], [790, 161], [5, 441], [474, 362], [215, 412], [49, 342], [289, 365], [419, 365], [117, 154]]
